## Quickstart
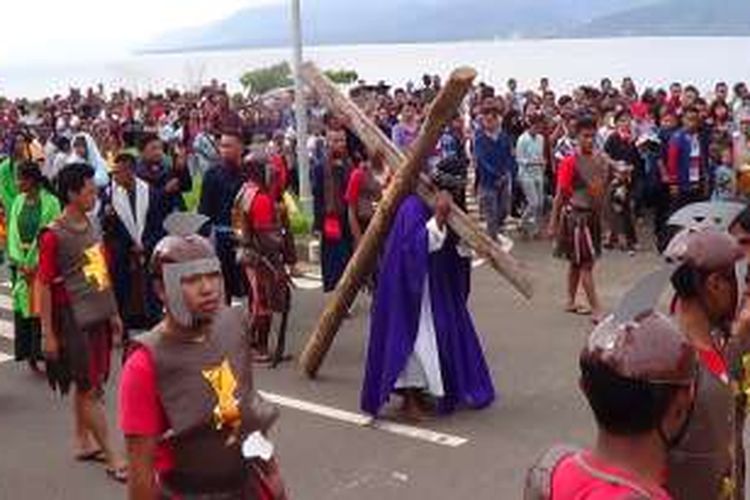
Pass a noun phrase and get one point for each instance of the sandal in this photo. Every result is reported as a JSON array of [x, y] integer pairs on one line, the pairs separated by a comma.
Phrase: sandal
[[571, 309], [261, 358], [584, 311], [578, 310], [90, 456], [118, 474]]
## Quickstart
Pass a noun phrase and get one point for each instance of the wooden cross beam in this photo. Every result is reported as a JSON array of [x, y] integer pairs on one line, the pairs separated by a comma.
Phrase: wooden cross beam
[[409, 177]]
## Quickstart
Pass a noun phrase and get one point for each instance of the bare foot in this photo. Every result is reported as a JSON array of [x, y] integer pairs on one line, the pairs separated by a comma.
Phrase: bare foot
[[296, 272], [261, 357], [411, 409], [86, 450]]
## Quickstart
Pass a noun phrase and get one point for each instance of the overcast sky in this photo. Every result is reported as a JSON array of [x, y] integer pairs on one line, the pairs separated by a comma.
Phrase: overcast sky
[[67, 31]]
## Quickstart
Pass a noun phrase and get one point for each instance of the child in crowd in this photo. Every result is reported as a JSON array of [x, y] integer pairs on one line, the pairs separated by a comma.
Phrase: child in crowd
[[725, 178], [620, 200]]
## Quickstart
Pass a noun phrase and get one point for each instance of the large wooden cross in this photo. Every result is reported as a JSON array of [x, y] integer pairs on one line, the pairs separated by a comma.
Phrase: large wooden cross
[[409, 178]]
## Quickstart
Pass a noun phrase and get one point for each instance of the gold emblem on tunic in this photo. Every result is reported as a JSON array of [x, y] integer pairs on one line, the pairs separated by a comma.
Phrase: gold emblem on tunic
[[224, 384], [95, 269]]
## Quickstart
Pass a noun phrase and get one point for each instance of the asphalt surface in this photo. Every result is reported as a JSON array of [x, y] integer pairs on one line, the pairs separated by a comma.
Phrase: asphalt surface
[[532, 350]]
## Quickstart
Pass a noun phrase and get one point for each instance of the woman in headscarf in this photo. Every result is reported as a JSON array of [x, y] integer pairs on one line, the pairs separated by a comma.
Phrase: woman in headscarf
[[33, 209], [85, 150]]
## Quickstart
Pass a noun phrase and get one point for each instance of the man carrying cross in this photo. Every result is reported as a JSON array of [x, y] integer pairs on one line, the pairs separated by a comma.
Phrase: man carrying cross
[[423, 343], [409, 178]]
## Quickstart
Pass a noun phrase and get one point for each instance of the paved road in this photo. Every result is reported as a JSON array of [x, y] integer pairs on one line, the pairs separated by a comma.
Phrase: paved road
[[325, 451]]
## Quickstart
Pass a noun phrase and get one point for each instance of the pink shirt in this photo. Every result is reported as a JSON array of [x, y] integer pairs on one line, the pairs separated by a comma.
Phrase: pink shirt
[[141, 411], [583, 477]]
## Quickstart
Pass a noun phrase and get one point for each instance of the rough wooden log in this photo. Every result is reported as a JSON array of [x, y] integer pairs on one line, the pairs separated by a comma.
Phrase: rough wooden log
[[375, 140]]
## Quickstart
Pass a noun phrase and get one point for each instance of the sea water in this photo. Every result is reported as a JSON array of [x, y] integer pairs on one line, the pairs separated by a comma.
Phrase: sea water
[[567, 62]]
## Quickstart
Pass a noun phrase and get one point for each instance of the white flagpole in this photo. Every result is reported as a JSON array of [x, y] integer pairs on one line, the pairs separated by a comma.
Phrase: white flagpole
[[303, 161]]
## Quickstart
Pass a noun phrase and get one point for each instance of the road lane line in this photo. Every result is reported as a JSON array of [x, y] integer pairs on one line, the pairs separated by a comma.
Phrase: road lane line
[[361, 420], [7, 331], [6, 302], [307, 283]]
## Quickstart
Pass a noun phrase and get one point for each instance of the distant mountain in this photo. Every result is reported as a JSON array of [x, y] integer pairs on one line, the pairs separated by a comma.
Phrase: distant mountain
[[673, 18], [393, 21], [403, 21]]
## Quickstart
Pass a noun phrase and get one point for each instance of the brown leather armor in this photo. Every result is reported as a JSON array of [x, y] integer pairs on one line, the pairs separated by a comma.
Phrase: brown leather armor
[[207, 449], [709, 462], [370, 194], [83, 268], [261, 250]]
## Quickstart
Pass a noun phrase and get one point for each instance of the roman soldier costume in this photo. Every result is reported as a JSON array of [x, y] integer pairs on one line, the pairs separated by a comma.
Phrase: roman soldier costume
[[83, 304], [639, 344], [710, 460], [261, 234], [216, 419], [580, 235]]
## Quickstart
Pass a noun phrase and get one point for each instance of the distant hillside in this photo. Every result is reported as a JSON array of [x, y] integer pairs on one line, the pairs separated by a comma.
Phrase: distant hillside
[[393, 21], [673, 18]]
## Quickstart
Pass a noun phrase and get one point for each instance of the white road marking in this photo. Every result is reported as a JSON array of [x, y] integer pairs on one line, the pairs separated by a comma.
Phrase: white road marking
[[307, 283], [7, 331], [361, 420], [6, 302]]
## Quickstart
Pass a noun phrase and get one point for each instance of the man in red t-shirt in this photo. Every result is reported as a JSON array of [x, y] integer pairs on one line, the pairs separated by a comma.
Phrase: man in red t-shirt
[[363, 192], [638, 375]]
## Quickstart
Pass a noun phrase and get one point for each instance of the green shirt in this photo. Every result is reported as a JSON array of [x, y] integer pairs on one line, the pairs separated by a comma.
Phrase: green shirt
[[8, 184]]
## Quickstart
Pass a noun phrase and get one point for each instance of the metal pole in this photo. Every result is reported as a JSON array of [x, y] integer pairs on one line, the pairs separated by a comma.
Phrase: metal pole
[[303, 161]]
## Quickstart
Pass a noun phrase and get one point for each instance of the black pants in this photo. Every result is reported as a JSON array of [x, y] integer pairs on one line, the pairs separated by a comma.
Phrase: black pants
[[28, 338]]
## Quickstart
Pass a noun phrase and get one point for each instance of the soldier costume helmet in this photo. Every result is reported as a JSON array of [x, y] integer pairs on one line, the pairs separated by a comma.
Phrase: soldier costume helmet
[[704, 250], [634, 361], [704, 243], [718, 215], [632, 365], [180, 255], [639, 343]]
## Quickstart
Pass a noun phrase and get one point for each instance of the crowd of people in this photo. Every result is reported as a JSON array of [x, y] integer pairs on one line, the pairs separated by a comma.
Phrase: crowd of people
[[127, 213]]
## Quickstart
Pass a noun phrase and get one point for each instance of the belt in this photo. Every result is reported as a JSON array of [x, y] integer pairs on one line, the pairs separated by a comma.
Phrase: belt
[[186, 486], [581, 209]]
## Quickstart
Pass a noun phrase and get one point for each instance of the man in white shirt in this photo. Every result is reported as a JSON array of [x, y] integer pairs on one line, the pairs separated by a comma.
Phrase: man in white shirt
[[531, 166]]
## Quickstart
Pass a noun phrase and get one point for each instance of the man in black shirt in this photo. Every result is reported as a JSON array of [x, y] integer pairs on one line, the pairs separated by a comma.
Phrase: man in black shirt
[[221, 183]]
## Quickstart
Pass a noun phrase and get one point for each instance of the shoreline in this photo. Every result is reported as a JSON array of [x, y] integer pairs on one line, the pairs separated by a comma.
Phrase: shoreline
[[198, 49]]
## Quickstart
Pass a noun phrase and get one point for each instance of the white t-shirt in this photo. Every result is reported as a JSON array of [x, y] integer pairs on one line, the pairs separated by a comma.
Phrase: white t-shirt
[[695, 159]]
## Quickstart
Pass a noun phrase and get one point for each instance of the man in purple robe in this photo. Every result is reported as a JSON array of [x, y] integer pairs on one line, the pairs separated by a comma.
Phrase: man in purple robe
[[423, 344]]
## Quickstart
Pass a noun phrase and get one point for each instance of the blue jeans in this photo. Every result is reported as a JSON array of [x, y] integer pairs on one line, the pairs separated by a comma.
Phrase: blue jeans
[[531, 179], [494, 202]]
